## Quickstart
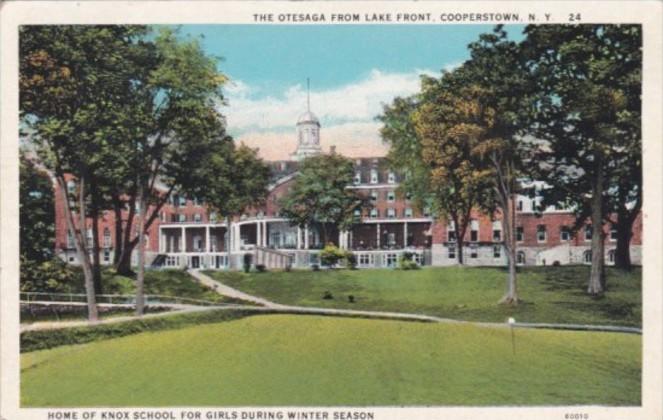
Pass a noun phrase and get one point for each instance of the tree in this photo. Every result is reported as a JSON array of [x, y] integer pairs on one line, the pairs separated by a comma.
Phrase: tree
[[241, 181], [589, 98], [499, 94], [37, 212], [69, 77], [320, 194], [457, 178]]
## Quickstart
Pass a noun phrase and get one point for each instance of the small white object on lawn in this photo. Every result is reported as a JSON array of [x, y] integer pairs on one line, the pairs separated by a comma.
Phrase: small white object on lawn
[[512, 321]]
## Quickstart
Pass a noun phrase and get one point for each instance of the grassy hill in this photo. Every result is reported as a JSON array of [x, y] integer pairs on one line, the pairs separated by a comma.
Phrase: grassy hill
[[550, 294], [311, 360]]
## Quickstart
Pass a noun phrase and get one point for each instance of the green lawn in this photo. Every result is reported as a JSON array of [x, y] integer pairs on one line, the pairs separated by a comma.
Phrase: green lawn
[[312, 360], [550, 294]]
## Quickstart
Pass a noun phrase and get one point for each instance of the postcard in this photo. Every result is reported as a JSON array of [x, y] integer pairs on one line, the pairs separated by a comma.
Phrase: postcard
[[331, 210]]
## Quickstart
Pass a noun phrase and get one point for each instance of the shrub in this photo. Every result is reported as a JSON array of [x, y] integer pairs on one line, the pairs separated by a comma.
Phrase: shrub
[[350, 260], [405, 262], [327, 295], [315, 267], [261, 268], [331, 255]]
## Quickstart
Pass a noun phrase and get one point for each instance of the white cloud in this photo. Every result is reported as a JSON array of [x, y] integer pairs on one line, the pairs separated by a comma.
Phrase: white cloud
[[347, 114], [356, 102]]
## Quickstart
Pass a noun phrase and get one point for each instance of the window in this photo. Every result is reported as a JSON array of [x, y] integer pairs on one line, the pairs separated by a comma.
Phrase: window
[[497, 231], [408, 196], [520, 258], [374, 195], [212, 217], [365, 259], [391, 196], [451, 231], [374, 213], [391, 178], [474, 251], [452, 252], [588, 232], [391, 213], [391, 260], [71, 187], [474, 230], [197, 218], [391, 239], [374, 176], [196, 202], [426, 212], [357, 179], [357, 213], [520, 205], [613, 235], [541, 233], [181, 217], [182, 201], [497, 251], [70, 240], [587, 257], [565, 234], [407, 212], [107, 238], [520, 234], [106, 255], [88, 235], [611, 256]]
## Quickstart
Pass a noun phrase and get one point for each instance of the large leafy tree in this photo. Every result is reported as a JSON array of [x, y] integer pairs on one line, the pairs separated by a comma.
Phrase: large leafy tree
[[446, 122], [240, 181], [499, 93], [320, 194], [70, 77], [589, 77]]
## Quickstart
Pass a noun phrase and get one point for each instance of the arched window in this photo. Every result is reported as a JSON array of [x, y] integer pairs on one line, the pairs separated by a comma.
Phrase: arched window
[[587, 257]]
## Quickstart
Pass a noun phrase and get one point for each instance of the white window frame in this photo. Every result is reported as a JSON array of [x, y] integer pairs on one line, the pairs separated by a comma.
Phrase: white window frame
[[589, 231], [521, 258], [564, 231], [181, 218], [474, 251], [391, 213], [197, 217], [613, 235], [391, 196], [451, 252], [408, 212], [357, 179], [374, 213], [520, 232], [474, 228], [391, 178], [107, 238], [497, 251], [374, 176], [545, 234]]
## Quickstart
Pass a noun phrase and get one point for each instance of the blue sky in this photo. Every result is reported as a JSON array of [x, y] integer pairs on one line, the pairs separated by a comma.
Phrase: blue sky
[[354, 69]]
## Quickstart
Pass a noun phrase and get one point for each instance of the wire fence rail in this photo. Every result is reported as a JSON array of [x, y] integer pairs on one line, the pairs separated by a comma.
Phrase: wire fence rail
[[30, 297]]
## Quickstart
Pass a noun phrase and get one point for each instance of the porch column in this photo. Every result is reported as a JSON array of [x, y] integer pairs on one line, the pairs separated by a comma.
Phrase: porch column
[[258, 233], [306, 237], [264, 234], [207, 241], [405, 235], [183, 240], [160, 240], [299, 237], [341, 244], [378, 234]]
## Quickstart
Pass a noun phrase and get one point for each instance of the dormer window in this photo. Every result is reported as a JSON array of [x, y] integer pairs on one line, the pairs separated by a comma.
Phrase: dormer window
[[374, 176], [391, 177]]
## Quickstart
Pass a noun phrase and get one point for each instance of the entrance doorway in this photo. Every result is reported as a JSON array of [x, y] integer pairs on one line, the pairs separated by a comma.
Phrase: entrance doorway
[[195, 262]]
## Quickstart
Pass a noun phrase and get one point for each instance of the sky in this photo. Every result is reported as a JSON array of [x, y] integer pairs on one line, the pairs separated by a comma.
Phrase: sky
[[353, 71]]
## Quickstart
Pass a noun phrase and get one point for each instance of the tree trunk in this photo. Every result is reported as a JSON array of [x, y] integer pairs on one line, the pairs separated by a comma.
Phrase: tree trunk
[[623, 251], [597, 274], [96, 262], [140, 277], [117, 243], [509, 222], [79, 241]]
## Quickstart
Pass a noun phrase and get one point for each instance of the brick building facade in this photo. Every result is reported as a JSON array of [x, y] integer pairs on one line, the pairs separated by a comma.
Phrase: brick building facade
[[186, 234]]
